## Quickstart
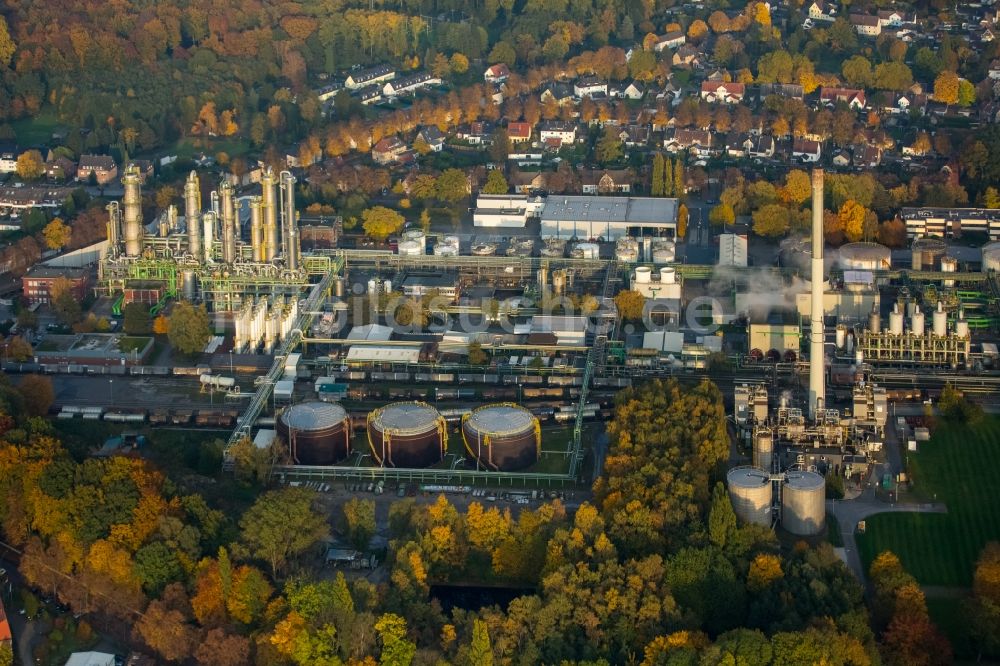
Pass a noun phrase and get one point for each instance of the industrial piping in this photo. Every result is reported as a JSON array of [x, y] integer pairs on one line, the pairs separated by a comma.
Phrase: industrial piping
[[817, 369]]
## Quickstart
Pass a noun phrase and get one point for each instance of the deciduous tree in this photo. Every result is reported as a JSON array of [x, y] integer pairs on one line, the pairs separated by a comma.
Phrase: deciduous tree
[[57, 234], [380, 222], [189, 329], [281, 525]]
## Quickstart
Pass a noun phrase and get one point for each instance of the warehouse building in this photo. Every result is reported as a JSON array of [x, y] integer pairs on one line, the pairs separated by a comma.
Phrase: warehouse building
[[510, 211], [610, 218]]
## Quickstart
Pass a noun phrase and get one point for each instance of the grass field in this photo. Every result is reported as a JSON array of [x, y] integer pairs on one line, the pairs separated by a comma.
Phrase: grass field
[[960, 466], [36, 130]]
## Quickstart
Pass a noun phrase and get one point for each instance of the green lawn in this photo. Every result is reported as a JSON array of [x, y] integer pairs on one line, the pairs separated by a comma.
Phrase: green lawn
[[36, 130], [960, 466]]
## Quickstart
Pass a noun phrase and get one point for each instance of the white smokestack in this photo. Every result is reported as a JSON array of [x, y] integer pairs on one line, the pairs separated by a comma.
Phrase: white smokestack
[[817, 380]]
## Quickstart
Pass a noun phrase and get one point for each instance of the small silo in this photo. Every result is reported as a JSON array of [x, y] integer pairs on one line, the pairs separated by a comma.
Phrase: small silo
[[803, 503], [763, 450], [663, 252], [627, 250], [317, 433], [991, 256], [865, 257], [750, 493], [410, 248], [927, 253], [407, 434], [949, 264], [502, 437]]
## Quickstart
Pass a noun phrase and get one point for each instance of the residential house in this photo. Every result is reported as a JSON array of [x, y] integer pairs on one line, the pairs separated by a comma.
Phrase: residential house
[[589, 86], [369, 77], [478, 133], [761, 146], [8, 157], [853, 97], [891, 18], [902, 103], [525, 182], [519, 132], [697, 142], [633, 90], [559, 92], [60, 169], [840, 158], [686, 56], [671, 40], [866, 25], [103, 168], [867, 157], [370, 94], [497, 73], [737, 144], [38, 281], [723, 93], [993, 73], [433, 137], [634, 135], [389, 150], [806, 150], [329, 91], [556, 130], [718, 75], [409, 84], [606, 182], [822, 11], [33, 196]]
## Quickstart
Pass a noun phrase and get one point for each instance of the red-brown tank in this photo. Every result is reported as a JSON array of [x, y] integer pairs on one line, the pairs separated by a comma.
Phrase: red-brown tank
[[407, 434], [503, 437], [317, 433]]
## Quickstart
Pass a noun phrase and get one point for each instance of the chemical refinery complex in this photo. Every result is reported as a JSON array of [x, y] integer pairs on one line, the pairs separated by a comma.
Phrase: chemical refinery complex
[[468, 359]]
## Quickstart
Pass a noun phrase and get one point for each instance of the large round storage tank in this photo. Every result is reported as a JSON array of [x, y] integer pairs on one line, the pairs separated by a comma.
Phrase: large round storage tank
[[317, 433], [484, 249], [502, 437], [407, 434], [750, 493], [443, 250], [927, 253], [410, 248], [991, 256], [663, 252], [627, 250], [865, 257], [803, 503]]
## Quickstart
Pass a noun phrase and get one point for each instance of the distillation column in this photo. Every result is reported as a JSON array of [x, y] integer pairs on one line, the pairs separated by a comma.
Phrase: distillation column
[[228, 222], [289, 227], [257, 228], [192, 214], [817, 364], [114, 227], [269, 202], [132, 206], [208, 223]]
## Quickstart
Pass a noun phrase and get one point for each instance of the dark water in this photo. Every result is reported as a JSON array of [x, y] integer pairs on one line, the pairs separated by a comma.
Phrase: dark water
[[474, 597]]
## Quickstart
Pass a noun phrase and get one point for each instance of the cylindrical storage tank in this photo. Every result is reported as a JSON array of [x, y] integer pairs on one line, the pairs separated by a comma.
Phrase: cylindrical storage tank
[[559, 282], [841, 337], [407, 434], [372, 286], [896, 321], [484, 249], [961, 326], [663, 252], [417, 236], [188, 285], [927, 253], [875, 322], [668, 275], [803, 503], [750, 493], [917, 322], [643, 275], [991, 256], [949, 264], [586, 251], [502, 437], [763, 451], [865, 257], [317, 433], [627, 250], [338, 287], [450, 240], [940, 321], [410, 248]]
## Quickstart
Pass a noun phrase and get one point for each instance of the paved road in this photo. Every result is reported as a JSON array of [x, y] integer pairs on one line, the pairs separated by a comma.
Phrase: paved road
[[850, 512]]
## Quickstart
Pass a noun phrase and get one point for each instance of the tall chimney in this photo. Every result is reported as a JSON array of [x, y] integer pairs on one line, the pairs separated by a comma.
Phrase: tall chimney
[[132, 206], [269, 197], [817, 380], [192, 214], [289, 226]]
